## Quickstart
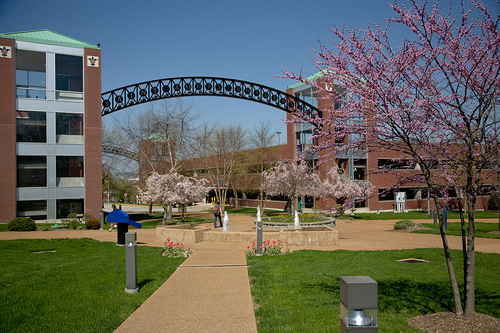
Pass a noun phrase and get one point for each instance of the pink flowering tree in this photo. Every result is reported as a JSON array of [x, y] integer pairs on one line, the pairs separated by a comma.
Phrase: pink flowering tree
[[172, 188], [431, 99], [337, 187], [291, 180]]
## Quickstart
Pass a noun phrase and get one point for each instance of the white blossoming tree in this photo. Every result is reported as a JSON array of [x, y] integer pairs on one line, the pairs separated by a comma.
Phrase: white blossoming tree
[[172, 188]]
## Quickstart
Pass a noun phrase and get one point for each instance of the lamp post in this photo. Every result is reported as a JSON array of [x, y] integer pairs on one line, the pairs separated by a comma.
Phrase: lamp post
[[131, 262], [358, 304], [279, 133]]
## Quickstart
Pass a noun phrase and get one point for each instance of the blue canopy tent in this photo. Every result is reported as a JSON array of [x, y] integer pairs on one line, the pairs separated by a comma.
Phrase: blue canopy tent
[[123, 221]]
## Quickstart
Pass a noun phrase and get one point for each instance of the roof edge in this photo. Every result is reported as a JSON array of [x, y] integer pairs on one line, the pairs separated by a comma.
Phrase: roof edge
[[46, 36]]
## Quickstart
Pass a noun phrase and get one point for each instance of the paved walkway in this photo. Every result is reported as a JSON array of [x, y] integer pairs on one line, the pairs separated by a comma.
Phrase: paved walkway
[[210, 291]]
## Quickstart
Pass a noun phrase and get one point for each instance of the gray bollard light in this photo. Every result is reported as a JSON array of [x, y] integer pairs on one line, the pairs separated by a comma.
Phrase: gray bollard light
[[101, 219], [435, 215], [358, 304], [259, 236], [131, 262]]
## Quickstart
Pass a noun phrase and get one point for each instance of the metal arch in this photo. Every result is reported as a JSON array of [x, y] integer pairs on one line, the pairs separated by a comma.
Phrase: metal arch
[[120, 151], [149, 91]]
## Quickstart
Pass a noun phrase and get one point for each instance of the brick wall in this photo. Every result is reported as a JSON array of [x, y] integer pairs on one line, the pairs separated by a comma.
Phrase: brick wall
[[93, 135], [8, 133]]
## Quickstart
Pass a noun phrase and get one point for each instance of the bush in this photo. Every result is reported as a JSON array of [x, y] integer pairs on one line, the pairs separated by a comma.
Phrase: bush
[[22, 224], [93, 224], [87, 217], [72, 222], [494, 202], [404, 224]]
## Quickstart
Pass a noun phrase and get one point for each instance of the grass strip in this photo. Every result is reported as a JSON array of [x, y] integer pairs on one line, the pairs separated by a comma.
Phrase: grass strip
[[415, 215], [73, 285], [483, 230], [299, 292]]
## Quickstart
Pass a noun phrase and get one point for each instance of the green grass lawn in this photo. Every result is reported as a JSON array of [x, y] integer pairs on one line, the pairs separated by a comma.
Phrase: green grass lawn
[[299, 292], [78, 288], [414, 215], [454, 228]]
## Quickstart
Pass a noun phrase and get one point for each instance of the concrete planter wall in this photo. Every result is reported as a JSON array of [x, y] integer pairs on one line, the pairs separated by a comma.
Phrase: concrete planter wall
[[311, 236], [181, 234]]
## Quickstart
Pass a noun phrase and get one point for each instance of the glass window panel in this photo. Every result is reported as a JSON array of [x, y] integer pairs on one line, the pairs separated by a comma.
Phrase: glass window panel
[[36, 209], [31, 126], [31, 171], [69, 166], [30, 74], [68, 206], [69, 73], [69, 124], [30, 61], [37, 79], [22, 77]]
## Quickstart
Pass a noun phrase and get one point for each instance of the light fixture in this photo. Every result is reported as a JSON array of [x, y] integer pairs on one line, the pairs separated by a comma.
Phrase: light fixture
[[358, 304]]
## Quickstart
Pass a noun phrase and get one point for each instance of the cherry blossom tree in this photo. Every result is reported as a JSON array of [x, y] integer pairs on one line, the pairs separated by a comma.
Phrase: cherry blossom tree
[[291, 180], [172, 188], [431, 99], [336, 187]]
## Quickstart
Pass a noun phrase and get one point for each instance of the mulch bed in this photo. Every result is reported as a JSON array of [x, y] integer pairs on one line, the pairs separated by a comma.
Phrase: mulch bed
[[449, 322]]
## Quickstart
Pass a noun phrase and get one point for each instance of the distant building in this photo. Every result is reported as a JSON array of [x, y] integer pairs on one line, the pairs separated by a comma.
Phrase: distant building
[[360, 165], [50, 126]]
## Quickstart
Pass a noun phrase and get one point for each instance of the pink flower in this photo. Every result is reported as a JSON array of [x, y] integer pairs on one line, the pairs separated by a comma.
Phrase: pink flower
[[248, 246], [168, 239], [165, 242], [286, 242]]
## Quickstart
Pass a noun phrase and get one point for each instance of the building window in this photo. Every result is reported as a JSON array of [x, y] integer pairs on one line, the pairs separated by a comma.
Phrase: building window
[[69, 128], [30, 74], [68, 206], [36, 209], [69, 171], [31, 171], [31, 126], [69, 77]]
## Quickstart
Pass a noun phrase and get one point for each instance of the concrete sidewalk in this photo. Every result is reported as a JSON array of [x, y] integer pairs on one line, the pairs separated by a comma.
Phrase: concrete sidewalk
[[209, 292]]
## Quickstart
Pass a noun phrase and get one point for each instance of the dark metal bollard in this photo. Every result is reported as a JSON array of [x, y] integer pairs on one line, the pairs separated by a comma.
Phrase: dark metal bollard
[[131, 262], [121, 233], [259, 237], [435, 215]]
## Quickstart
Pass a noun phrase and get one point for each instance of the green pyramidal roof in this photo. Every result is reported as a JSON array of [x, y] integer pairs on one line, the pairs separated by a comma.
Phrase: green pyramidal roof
[[47, 37], [312, 78]]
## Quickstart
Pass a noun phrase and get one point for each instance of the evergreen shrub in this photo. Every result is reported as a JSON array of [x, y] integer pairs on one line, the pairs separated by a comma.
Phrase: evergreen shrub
[[22, 224]]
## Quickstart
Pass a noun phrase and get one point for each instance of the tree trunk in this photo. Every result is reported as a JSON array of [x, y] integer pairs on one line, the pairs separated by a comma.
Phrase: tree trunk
[[236, 201], [451, 272], [464, 242], [165, 213], [169, 211], [469, 282], [151, 207]]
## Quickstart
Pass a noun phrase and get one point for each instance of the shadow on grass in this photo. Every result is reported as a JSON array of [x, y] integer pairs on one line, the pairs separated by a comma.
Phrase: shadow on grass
[[144, 282], [404, 295], [399, 295]]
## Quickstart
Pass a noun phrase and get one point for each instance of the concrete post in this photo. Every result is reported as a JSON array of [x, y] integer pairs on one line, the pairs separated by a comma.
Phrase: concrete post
[[259, 236], [101, 219], [131, 262]]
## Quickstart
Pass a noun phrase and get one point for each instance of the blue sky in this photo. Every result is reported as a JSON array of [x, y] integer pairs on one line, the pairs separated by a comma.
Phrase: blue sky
[[247, 40]]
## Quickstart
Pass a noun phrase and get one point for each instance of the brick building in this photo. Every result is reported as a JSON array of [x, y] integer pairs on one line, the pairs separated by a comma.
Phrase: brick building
[[361, 165], [50, 126]]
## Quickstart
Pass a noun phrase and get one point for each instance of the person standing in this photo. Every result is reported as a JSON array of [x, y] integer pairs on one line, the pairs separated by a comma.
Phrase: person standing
[[217, 214], [113, 206]]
